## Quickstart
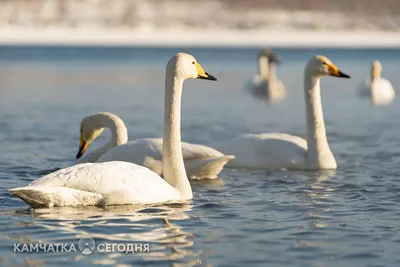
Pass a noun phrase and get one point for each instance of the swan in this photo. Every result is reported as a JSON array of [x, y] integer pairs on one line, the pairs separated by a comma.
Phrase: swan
[[200, 161], [284, 151], [117, 182], [266, 84], [379, 90]]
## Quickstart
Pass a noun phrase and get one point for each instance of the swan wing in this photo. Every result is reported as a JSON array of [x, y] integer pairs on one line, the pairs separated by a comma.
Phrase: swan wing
[[200, 161], [106, 183], [266, 151], [145, 152]]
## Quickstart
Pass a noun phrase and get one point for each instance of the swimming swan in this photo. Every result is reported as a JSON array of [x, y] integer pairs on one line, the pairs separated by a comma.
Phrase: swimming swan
[[284, 151], [266, 84], [200, 161], [116, 182], [379, 90]]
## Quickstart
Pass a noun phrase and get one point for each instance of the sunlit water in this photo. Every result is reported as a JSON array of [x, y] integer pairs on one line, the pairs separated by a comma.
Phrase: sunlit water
[[349, 217]]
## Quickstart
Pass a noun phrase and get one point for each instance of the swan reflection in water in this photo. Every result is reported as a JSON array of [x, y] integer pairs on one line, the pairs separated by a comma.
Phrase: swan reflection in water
[[125, 224], [315, 207]]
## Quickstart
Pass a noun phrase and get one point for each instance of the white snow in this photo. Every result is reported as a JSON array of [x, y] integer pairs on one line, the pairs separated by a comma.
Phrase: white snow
[[196, 37], [179, 23]]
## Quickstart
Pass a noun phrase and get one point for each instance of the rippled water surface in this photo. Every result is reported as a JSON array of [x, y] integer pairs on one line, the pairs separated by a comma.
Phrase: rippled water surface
[[349, 217]]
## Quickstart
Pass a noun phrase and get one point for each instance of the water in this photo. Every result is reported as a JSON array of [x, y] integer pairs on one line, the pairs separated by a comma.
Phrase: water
[[349, 217]]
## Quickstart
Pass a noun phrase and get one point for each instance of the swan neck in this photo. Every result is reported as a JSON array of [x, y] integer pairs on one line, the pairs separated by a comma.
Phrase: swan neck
[[263, 67], [119, 135], [272, 71], [375, 73], [119, 132], [173, 166], [317, 142]]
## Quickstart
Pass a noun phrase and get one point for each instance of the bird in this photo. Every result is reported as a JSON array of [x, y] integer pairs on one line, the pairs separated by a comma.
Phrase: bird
[[284, 151], [201, 162], [117, 182], [379, 90], [266, 85]]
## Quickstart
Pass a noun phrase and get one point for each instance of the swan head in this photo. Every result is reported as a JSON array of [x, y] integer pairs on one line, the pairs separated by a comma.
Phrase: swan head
[[90, 129], [185, 66], [269, 55], [322, 66], [376, 69]]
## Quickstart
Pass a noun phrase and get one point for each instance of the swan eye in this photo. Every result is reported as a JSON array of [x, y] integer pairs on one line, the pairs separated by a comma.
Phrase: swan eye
[[193, 62], [324, 63]]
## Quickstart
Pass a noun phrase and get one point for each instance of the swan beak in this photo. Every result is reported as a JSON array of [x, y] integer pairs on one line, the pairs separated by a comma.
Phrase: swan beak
[[83, 145], [334, 71], [202, 74]]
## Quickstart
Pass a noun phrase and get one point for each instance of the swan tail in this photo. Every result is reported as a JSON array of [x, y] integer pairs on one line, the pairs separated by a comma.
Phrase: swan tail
[[206, 168], [49, 196]]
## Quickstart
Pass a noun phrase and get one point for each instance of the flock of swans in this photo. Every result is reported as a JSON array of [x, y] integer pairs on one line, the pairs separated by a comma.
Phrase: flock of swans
[[157, 170], [266, 85]]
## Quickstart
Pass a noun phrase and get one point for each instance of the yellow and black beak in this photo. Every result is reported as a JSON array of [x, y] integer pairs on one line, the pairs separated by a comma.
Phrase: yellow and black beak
[[202, 74], [83, 145], [334, 71]]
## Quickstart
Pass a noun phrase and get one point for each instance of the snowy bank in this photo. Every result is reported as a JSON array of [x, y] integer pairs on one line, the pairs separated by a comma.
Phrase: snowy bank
[[12, 35]]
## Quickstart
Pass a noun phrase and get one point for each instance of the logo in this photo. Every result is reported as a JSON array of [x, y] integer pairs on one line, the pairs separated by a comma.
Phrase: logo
[[86, 245]]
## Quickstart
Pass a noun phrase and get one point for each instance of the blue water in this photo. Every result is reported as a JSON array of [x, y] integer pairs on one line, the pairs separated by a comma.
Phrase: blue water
[[348, 217]]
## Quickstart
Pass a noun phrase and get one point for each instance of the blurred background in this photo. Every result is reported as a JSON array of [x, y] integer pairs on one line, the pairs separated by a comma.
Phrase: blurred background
[[230, 14], [30, 20]]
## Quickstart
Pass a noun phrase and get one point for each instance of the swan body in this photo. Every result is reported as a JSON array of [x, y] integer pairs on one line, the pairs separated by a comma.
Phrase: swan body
[[266, 84], [200, 161], [378, 89], [115, 183], [90, 184], [284, 151], [267, 151]]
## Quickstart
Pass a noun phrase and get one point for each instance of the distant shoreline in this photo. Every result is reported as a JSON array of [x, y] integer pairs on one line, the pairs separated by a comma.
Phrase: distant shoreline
[[198, 38]]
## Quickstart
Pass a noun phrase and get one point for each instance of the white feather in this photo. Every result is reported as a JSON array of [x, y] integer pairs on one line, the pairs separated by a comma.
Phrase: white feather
[[117, 182], [90, 184], [380, 91], [200, 161], [284, 151]]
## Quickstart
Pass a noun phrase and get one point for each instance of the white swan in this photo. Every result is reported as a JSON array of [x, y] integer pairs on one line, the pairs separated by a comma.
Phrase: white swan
[[117, 182], [200, 161], [266, 84], [379, 90], [278, 150]]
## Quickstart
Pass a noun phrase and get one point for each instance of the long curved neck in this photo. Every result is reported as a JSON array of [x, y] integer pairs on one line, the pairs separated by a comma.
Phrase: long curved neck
[[272, 71], [375, 73], [119, 132], [119, 136], [173, 167], [317, 142], [263, 67]]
